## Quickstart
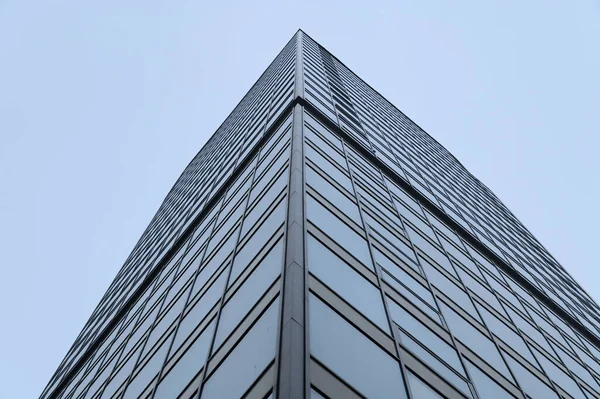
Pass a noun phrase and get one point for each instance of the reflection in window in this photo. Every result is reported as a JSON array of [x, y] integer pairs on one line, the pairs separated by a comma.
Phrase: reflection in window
[[351, 355]]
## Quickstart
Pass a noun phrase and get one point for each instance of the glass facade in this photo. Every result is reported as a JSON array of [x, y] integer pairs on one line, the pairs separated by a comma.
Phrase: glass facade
[[322, 245]]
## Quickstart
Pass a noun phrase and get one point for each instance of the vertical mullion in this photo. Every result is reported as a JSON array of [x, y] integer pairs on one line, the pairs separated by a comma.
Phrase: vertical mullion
[[291, 363]]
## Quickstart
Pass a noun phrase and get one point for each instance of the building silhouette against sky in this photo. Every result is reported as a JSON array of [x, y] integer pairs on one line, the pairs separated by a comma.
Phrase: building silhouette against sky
[[322, 245]]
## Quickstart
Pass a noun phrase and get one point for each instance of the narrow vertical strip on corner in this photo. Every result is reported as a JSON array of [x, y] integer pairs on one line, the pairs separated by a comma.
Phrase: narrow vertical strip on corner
[[291, 373], [299, 83]]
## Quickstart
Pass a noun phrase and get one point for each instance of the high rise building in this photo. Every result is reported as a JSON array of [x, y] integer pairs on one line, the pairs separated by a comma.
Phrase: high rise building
[[322, 245]]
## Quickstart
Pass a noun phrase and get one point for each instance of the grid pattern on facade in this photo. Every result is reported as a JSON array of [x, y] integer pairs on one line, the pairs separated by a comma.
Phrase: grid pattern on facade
[[456, 318], [228, 270], [433, 171], [203, 177], [299, 267]]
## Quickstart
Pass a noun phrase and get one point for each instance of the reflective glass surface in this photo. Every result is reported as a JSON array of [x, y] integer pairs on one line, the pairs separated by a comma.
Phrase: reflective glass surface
[[317, 184], [349, 354]]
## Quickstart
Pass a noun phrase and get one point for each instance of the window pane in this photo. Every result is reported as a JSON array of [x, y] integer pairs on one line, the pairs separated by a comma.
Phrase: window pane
[[200, 310], [257, 209], [351, 355], [315, 395], [559, 376], [421, 390], [486, 387], [529, 382], [147, 372], [414, 299], [410, 201], [331, 138], [332, 194], [451, 290], [258, 240], [319, 159], [266, 179], [475, 340], [204, 276], [506, 334], [391, 267], [249, 293], [217, 260], [332, 171], [339, 231], [440, 368], [386, 237], [526, 327], [121, 375], [161, 327], [319, 141], [350, 285], [577, 368], [480, 290], [247, 361], [430, 250], [423, 334], [187, 366]]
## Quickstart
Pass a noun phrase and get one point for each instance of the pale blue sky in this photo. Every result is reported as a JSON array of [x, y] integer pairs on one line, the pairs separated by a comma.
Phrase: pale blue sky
[[103, 103]]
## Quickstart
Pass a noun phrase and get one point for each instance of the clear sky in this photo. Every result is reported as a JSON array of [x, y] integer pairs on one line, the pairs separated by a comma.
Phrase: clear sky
[[103, 103]]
